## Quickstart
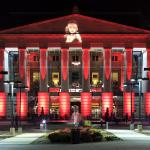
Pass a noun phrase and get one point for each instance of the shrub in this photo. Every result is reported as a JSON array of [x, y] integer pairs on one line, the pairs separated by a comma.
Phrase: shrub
[[60, 136]]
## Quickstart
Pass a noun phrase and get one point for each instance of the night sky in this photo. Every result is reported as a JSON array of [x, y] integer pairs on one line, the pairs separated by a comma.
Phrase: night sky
[[20, 12]]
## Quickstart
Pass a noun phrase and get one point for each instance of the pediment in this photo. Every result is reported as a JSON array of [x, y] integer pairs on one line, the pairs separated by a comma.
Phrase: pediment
[[86, 25]]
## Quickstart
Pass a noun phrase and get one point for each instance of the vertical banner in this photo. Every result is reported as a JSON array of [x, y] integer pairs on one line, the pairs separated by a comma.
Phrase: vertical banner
[[86, 102], [129, 63], [22, 64], [107, 63], [107, 102], [1, 61], [22, 104], [147, 103], [127, 103], [43, 103], [64, 105], [2, 104], [64, 62], [86, 61]]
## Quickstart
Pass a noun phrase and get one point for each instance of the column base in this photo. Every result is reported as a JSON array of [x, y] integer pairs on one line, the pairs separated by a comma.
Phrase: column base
[[139, 128], [131, 126], [19, 129], [12, 131]]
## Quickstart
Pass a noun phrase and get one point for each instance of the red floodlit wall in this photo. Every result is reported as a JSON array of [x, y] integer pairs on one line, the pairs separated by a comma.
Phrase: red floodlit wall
[[1, 61], [43, 68], [129, 63], [2, 104], [148, 62], [107, 102], [22, 63], [107, 63], [43, 102], [64, 104], [64, 62], [86, 100], [147, 103], [86, 57], [23, 105], [122, 72], [127, 103]]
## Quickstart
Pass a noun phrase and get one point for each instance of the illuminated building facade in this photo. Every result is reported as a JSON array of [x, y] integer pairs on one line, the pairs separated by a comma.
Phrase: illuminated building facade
[[74, 60]]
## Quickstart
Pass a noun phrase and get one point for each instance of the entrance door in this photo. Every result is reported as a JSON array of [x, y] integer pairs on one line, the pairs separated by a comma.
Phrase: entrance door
[[76, 104]]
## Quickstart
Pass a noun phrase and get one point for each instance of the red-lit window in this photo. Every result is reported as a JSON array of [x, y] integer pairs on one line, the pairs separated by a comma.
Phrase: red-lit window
[[114, 58]]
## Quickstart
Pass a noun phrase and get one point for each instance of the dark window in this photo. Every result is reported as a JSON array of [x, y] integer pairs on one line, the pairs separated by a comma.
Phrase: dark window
[[75, 76], [75, 58], [35, 58], [95, 58], [55, 58], [114, 58]]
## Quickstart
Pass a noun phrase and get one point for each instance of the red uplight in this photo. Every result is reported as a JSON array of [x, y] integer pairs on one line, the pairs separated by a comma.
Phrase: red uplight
[[43, 103], [127, 103], [147, 103], [2, 104], [107, 102], [22, 108], [64, 104], [86, 101]]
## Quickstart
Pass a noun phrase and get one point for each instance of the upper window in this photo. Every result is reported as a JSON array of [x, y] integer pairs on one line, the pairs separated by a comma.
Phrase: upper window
[[75, 58], [95, 58], [114, 58], [55, 58]]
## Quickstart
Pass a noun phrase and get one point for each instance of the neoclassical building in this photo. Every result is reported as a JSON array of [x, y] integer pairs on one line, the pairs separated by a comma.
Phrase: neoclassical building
[[75, 60]]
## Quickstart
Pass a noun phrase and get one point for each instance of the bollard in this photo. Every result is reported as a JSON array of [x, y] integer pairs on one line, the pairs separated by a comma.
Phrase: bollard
[[140, 128], [106, 125], [131, 126], [20, 130], [12, 131]]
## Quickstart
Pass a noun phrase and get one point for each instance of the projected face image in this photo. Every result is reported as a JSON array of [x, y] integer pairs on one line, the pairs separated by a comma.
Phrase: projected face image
[[72, 33]]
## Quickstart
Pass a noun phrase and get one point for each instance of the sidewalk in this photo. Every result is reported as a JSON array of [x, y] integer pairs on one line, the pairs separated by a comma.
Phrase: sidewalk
[[129, 135], [25, 138]]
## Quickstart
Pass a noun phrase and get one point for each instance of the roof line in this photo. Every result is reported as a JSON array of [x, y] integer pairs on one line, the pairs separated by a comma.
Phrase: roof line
[[82, 16]]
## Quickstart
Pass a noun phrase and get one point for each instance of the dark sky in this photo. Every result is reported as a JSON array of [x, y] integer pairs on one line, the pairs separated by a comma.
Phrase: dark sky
[[19, 12]]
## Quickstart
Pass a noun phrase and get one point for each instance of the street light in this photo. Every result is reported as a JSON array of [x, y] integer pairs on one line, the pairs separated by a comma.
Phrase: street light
[[48, 100], [20, 87], [12, 103], [132, 82]]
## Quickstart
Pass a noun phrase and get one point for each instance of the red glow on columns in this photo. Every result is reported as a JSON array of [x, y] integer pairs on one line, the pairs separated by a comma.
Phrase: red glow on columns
[[86, 60], [86, 101], [43, 102], [43, 58], [107, 63], [148, 62], [107, 102], [22, 63], [127, 103], [2, 104], [122, 71], [22, 109], [64, 61], [129, 63], [147, 103], [1, 61], [64, 104]]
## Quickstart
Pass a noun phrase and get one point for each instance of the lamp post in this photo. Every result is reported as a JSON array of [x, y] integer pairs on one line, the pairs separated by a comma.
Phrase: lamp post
[[131, 83], [12, 129], [20, 87], [48, 100]]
